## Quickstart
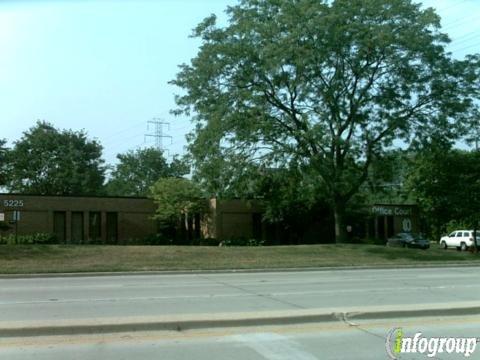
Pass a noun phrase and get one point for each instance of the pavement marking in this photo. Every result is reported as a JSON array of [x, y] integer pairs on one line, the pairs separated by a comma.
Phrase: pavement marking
[[274, 346]]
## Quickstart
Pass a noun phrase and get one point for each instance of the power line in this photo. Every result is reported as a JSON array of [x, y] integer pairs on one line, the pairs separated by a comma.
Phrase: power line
[[467, 47], [112, 149], [114, 135], [466, 37], [451, 6]]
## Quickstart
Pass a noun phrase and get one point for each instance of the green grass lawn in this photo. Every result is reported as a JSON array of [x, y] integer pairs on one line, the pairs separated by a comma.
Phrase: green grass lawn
[[24, 259]]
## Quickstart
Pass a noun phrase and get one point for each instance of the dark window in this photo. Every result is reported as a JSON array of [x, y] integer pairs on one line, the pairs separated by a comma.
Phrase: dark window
[[112, 227], [257, 226], [197, 226], [95, 226], [390, 226], [77, 227], [59, 225], [371, 228], [381, 227]]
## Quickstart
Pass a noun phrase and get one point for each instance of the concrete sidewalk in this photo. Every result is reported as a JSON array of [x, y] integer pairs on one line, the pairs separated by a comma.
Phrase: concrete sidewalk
[[229, 320]]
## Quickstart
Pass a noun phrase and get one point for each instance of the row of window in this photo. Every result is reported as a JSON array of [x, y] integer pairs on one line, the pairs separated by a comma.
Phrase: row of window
[[78, 228]]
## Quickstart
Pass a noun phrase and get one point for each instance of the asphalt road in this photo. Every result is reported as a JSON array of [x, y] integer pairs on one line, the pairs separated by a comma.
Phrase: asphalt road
[[363, 340], [39, 299]]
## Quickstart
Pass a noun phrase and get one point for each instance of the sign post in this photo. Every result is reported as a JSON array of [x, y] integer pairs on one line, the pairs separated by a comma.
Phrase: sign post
[[16, 218]]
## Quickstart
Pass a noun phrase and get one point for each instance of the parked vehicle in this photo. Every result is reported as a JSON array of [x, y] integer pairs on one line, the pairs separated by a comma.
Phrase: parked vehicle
[[459, 239], [410, 240]]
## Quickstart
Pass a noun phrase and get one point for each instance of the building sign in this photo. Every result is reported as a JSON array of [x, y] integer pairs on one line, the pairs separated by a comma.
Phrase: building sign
[[13, 203], [391, 211], [407, 225]]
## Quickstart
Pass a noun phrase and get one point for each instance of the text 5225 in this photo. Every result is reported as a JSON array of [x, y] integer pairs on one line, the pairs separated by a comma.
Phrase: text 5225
[[13, 203]]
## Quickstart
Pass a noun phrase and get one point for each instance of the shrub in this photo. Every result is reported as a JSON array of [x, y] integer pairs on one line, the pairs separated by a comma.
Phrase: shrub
[[456, 225], [159, 239], [33, 239], [4, 226], [205, 242], [154, 239], [243, 242]]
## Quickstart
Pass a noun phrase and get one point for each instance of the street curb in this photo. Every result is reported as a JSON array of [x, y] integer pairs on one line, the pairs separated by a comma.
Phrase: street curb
[[240, 271], [212, 321]]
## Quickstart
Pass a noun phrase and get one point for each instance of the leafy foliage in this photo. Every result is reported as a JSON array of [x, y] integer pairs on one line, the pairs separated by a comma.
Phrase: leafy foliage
[[4, 226], [138, 170], [33, 239], [177, 196], [387, 177], [320, 89], [48, 161], [446, 184], [243, 242]]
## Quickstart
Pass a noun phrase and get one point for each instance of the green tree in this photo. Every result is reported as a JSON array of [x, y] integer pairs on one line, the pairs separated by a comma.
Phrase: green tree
[[323, 87], [176, 197], [446, 184], [49, 161], [387, 177], [138, 170]]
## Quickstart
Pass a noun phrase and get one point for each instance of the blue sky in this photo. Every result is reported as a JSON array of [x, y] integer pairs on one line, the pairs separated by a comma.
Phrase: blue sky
[[104, 66]]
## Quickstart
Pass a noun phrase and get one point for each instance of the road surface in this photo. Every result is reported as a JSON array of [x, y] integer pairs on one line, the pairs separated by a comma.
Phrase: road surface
[[38, 299]]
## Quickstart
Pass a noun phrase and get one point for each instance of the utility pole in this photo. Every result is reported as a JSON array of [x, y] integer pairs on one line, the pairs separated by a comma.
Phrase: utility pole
[[158, 132]]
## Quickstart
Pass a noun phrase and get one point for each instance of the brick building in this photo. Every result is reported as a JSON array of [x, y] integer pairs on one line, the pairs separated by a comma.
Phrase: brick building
[[234, 219], [115, 220], [75, 219]]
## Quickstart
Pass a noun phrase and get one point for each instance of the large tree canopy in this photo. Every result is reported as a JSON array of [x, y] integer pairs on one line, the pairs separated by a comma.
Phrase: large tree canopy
[[49, 161], [446, 185], [321, 88], [138, 170]]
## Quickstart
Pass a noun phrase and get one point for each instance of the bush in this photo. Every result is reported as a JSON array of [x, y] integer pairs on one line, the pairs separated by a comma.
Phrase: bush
[[154, 239], [34, 239], [159, 239], [456, 225], [4, 226], [205, 242], [243, 242]]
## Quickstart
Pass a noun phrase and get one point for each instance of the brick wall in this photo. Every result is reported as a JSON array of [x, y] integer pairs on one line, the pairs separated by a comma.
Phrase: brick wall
[[37, 214]]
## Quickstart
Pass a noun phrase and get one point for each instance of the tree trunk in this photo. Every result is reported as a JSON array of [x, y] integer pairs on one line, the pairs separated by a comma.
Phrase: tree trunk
[[340, 226]]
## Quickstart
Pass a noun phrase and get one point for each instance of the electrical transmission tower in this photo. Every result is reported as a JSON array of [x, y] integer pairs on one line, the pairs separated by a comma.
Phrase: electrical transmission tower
[[158, 132]]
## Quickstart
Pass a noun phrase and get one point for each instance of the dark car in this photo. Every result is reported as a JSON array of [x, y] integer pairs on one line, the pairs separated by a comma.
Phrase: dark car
[[410, 240]]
